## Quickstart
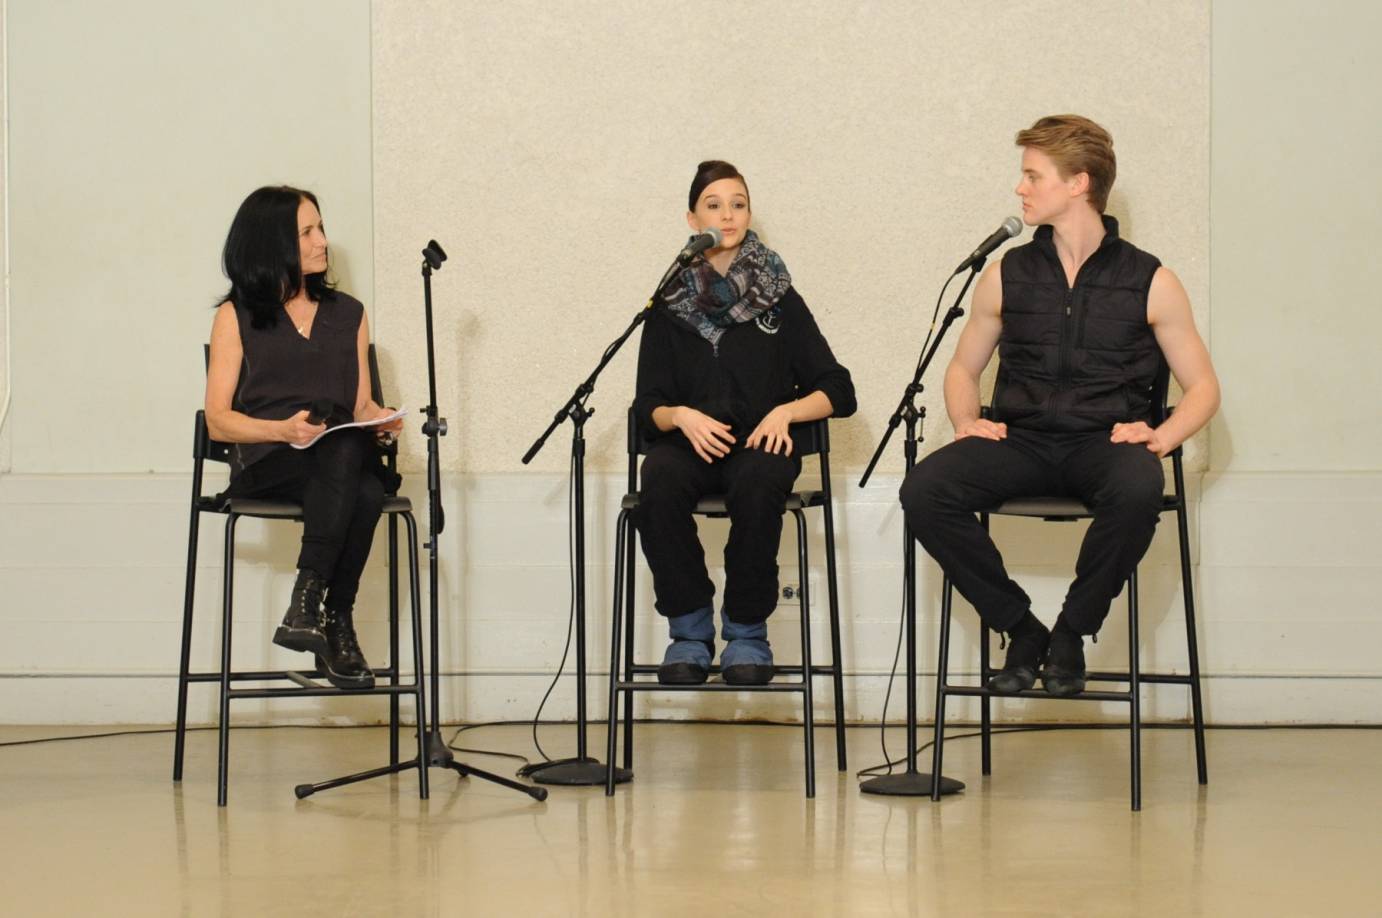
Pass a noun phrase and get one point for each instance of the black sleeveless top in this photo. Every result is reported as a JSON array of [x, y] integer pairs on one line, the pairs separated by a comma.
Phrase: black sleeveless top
[[283, 373], [1076, 359]]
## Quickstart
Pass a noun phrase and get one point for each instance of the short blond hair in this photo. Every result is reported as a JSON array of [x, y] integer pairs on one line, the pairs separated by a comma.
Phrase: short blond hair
[[1076, 144]]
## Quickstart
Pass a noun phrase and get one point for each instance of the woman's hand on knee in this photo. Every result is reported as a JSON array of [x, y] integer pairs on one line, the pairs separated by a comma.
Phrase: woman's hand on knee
[[771, 432], [710, 438]]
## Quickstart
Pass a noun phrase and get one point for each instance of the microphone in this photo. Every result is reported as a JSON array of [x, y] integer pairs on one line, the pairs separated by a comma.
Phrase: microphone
[[433, 254], [707, 238], [1011, 227]]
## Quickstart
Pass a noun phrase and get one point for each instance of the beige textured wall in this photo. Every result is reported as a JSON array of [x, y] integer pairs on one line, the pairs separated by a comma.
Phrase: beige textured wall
[[1297, 205], [548, 147]]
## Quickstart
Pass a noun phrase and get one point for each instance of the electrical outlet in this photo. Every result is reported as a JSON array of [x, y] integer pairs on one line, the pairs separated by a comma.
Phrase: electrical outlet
[[789, 591]]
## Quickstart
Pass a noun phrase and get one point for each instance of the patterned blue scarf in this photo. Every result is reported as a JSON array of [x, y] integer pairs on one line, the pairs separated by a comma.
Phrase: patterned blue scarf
[[710, 302]]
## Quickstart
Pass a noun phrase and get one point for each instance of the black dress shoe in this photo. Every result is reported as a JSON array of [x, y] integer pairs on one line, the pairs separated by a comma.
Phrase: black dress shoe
[[303, 626], [1026, 650], [1065, 671], [343, 663]]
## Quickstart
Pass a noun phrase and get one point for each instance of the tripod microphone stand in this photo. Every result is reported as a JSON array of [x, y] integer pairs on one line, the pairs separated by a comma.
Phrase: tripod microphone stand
[[439, 755], [582, 769], [913, 783]]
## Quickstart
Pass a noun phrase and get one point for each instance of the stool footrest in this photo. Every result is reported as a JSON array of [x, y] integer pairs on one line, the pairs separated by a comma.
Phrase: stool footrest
[[650, 686], [311, 689], [978, 691], [387, 672]]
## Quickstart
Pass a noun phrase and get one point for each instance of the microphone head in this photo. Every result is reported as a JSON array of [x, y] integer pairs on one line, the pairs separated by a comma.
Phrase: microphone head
[[1014, 227], [715, 234], [433, 255]]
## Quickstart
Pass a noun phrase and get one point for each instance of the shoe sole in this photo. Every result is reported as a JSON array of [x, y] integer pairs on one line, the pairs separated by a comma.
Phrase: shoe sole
[[747, 674], [1060, 685], [300, 639], [1024, 682], [344, 682], [681, 674]]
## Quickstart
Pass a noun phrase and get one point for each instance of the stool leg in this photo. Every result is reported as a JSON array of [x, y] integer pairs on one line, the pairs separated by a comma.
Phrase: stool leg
[[630, 535], [942, 676], [985, 704], [616, 619], [185, 661], [1135, 690], [1191, 639], [227, 604], [419, 682], [393, 637], [807, 702], [836, 666]]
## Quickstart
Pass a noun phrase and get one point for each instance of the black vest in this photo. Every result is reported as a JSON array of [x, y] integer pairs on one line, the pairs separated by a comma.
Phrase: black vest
[[1076, 359]]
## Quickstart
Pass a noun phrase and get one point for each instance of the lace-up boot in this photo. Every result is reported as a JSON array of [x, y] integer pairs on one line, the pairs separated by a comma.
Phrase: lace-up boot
[[304, 624], [343, 663]]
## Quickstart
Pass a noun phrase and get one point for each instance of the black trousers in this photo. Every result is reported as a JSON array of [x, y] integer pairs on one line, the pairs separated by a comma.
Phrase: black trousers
[[1121, 483], [755, 485], [341, 497]]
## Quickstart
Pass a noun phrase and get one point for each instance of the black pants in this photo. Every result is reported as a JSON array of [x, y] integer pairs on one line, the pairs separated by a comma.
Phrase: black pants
[[1120, 482], [755, 485], [341, 497]]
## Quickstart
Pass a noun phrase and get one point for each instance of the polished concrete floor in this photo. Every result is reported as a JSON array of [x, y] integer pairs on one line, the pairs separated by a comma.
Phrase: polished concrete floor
[[714, 824]]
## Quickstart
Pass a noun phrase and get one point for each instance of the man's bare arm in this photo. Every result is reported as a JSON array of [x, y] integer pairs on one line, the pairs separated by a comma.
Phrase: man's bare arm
[[973, 352], [1168, 312]]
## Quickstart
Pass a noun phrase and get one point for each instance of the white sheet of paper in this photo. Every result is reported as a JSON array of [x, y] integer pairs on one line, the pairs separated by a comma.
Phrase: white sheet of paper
[[375, 423]]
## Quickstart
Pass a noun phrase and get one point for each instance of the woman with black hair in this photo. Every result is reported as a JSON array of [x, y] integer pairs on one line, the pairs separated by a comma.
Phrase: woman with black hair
[[732, 358], [286, 346]]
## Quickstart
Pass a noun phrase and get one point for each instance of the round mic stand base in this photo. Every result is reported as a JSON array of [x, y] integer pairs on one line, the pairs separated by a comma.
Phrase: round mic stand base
[[909, 784], [576, 773]]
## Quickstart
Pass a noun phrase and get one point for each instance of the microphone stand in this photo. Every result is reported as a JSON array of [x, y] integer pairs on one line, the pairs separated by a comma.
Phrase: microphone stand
[[913, 783], [582, 769], [439, 754]]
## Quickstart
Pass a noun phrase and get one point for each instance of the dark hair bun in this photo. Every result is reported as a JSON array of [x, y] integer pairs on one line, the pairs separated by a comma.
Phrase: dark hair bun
[[708, 172]]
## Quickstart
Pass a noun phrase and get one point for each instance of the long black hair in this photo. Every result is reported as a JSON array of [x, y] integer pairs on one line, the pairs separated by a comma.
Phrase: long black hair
[[261, 255]]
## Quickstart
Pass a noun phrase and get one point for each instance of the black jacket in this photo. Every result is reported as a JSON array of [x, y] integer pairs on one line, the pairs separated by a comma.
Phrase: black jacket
[[777, 358]]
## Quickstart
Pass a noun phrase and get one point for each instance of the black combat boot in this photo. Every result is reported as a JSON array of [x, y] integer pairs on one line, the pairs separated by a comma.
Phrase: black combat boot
[[303, 625], [1027, 642], [1065, 672], [342, 662]]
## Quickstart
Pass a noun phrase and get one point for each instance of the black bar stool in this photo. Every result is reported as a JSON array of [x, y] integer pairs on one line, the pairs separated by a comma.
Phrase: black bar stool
[[304, 684], [808, 439], [1065, 510]]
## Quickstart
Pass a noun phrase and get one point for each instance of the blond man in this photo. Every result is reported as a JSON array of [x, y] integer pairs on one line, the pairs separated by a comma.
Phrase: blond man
[[1081, 320]]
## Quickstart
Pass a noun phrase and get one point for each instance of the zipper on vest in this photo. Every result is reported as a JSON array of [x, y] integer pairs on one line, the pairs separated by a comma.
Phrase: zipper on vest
[[1065, 338]]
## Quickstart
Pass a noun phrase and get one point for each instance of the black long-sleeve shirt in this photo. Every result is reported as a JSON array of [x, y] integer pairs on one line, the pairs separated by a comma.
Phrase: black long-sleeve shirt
[[761, 364]]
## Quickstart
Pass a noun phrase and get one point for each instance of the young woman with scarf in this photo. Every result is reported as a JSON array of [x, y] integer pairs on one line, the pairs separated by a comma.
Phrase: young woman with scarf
[[731, 357]]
